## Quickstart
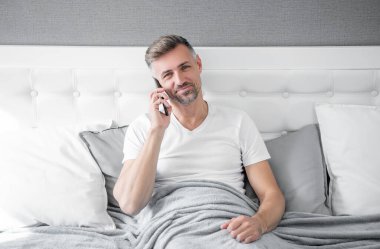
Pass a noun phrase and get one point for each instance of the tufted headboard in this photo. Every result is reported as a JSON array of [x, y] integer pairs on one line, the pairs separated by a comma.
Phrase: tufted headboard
[[277, 86]]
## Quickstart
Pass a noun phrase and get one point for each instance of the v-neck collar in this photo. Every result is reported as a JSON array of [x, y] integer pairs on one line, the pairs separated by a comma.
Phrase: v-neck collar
[[199, 127]]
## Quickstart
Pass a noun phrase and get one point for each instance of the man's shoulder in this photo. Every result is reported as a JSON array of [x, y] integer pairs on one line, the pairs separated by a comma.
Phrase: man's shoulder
[[142, 121]]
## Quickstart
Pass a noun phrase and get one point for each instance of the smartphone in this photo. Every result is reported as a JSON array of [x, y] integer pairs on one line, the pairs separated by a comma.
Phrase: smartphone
[[162, 108]]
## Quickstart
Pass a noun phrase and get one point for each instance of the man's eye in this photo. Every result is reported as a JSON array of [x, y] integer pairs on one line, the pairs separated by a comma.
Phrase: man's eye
[[166, 76], [185, 67]]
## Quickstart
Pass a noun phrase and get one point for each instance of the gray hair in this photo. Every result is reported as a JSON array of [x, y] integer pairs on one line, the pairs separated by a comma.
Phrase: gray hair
[[163, 45]]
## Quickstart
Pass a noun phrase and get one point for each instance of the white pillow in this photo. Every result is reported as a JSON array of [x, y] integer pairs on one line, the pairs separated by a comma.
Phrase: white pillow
[[351, 140], [48, 176]]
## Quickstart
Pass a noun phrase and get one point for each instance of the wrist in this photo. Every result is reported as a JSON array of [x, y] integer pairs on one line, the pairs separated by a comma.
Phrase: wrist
[[157, 131], [262, 223]]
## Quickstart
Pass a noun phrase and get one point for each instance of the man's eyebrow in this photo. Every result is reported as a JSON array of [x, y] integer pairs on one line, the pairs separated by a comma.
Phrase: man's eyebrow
[[180, 65], [183, 63]]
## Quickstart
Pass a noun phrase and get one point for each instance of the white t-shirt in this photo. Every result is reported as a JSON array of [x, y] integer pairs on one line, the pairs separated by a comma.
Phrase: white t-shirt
[[216, 150]]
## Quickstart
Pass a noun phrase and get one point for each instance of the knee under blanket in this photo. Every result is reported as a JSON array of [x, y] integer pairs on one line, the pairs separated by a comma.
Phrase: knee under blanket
[[189, 214]]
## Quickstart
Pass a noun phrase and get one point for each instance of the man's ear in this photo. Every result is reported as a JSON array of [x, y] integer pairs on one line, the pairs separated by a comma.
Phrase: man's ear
[[199, 63]]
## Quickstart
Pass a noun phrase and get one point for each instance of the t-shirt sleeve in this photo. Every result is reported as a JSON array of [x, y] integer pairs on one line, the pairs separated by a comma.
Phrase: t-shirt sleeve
[[135, 138], [253, 149]]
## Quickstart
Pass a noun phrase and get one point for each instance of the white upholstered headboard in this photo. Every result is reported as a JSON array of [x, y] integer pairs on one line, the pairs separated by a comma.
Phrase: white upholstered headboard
[[277, 86]]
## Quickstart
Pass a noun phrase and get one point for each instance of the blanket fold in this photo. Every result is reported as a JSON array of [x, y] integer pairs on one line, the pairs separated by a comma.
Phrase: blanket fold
[[188, 215]]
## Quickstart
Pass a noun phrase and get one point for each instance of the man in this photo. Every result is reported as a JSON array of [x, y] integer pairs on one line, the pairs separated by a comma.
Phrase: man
[[196, 140]]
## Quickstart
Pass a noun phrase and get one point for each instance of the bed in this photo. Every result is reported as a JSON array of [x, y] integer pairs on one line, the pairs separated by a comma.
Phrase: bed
[[64, 111]]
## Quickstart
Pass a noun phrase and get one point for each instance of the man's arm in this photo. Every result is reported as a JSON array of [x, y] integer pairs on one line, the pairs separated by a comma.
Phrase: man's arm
[[272, 201], [272, 205], [135, 185]]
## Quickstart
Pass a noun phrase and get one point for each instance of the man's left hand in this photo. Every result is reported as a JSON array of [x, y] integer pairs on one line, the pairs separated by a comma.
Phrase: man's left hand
[[245, 229]]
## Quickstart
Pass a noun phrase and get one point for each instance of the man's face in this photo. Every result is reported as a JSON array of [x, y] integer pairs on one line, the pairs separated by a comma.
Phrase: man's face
[[179, 74]]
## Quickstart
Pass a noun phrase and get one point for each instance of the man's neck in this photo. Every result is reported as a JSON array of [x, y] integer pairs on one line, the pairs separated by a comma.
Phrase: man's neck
[[192, 115]]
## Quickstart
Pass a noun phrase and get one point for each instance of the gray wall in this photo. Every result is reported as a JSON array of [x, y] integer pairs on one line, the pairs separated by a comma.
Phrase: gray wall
[[204, 23]]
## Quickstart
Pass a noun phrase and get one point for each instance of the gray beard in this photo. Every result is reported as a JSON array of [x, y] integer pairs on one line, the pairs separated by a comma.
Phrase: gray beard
[[189, 97]]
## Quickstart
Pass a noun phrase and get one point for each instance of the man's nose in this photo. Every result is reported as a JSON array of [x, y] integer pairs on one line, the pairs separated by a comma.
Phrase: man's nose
[[178, 78]]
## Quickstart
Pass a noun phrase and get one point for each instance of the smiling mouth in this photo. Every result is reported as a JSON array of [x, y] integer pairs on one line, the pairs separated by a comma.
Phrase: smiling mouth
[[185, 89]]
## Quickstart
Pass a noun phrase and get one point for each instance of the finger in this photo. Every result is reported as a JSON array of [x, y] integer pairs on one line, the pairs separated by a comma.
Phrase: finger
[[169, 109], [157, 96], [240, 231], [225, 225], [249, 239], [156, 92], [153, 97], [160, 90], [166, 103], [251, 235], [152, 94], [157, 106], [157, 102], [163, 95], [241, 217], [234, 224], [245, 233]]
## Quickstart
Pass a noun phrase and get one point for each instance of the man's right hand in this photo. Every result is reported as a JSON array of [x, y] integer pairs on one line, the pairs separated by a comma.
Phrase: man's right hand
[[159, 120]]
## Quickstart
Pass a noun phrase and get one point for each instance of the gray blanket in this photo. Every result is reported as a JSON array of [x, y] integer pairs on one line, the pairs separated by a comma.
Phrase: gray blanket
[[189, 214]]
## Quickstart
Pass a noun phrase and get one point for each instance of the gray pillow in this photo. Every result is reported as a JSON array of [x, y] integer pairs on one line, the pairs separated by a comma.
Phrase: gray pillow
[[106, 147], [296, 162], [298, 165]]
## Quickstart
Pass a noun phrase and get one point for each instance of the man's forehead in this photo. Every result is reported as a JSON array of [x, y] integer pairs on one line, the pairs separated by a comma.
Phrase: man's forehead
[[171, 60]]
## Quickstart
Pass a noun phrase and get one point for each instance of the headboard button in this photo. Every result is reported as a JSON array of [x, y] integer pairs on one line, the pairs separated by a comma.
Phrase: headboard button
[[285, 95], [34, 93], [76, 94], [374, 93], [117, 94], [243, 93]]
